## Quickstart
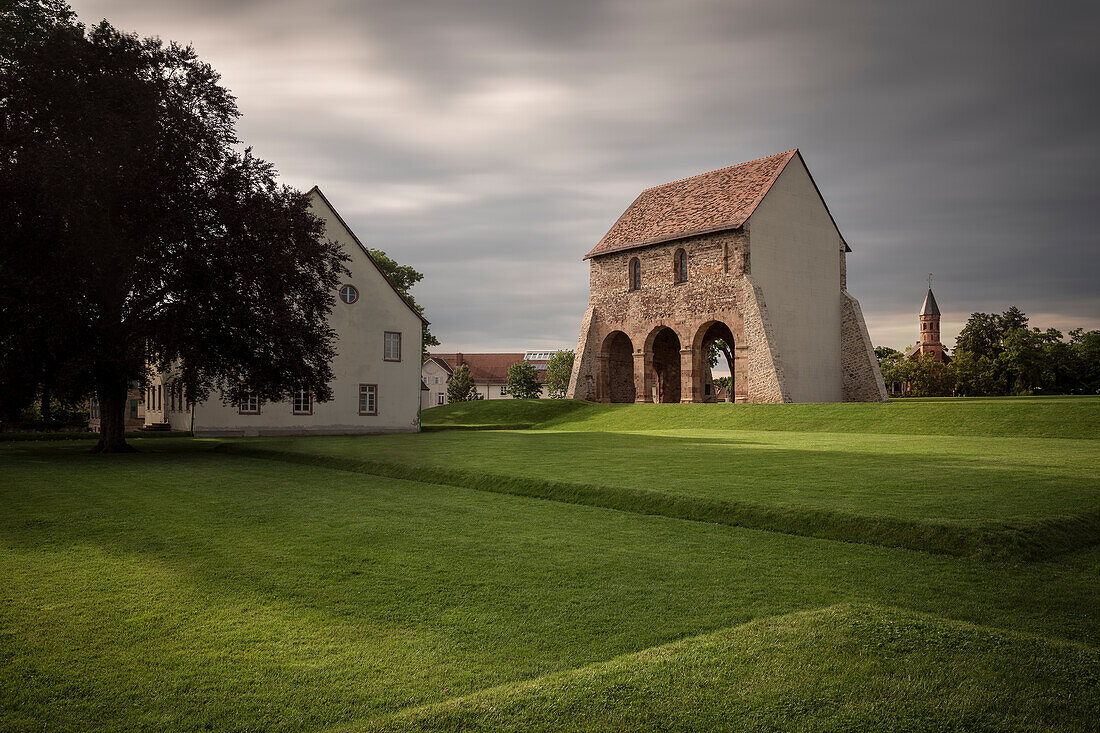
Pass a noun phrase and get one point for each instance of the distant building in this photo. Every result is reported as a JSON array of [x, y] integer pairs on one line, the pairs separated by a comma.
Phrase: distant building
[[489, 372], [135, 410], [376, 377], [749, 255], [929, 342]]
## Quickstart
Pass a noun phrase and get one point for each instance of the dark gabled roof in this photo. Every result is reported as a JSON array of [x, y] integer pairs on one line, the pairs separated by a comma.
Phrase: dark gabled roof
[[930, 308], [366, 251], [486, 368]]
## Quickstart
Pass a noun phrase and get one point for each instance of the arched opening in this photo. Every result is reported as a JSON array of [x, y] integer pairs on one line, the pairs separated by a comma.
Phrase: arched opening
[[666, 363], [715, 343], [617, 356], [680, 266], [635, 274]]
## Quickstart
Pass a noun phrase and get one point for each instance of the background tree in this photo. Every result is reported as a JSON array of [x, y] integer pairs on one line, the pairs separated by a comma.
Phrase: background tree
[[403, 278], [460, 387], [523, 381], [558, 371], [1085, 355], [889, 363], [926, 377], [130, 216], [720, 348]]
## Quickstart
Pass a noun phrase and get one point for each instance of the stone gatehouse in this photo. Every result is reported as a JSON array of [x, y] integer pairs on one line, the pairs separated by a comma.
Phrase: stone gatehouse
[[749, 256]]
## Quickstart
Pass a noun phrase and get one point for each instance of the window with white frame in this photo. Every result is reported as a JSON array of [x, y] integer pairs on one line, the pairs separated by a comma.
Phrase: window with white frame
[[393, 346], [250, 404], [504, 389], [303, 402], [441, 398], [368, 399]]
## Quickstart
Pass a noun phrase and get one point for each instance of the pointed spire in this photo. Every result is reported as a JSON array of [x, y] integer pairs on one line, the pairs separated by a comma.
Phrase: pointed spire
[[930, 308]]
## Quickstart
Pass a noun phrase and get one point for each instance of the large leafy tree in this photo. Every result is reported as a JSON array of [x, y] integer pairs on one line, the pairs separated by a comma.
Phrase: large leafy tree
[[137, 232], [523, 381], [461, 387]]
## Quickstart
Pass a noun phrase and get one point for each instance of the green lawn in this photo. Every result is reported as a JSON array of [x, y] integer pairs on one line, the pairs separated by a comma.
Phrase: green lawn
[[1037, 417], [872, 669], [191, 587], [1021, 496]]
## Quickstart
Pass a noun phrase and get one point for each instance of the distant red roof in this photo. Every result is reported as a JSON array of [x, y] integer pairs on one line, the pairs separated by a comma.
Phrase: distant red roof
[[486, 368], [709, 202]]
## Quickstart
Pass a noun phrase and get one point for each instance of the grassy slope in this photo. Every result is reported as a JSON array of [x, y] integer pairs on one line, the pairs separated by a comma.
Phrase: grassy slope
[[1047, 417], [181, 589], [969, 494], [872, 669]]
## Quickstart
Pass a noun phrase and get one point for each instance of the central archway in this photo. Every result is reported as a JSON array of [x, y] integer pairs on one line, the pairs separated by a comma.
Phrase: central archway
[[666, 363], [719, 335], [617, 355]]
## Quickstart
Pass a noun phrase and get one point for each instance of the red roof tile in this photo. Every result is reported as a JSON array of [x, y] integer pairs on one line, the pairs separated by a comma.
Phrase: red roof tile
[[486, 368], [709, 202]]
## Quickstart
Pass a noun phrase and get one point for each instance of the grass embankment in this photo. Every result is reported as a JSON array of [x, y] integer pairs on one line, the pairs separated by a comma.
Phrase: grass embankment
[[179, 588], [1036, 417], [981, 495], [872, 669]]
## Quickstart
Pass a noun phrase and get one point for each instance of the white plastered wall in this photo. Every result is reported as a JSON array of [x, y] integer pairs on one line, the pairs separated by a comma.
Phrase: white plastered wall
[[794, 255], [360, 329], [436, 378]]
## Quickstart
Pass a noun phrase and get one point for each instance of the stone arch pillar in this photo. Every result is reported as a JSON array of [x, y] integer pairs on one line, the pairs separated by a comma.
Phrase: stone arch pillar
[[643, 376], [691, 375]]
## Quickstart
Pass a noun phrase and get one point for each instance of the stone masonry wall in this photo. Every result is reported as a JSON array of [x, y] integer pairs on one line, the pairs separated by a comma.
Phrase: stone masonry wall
[[582, 380], [717, 289], [862, 378]]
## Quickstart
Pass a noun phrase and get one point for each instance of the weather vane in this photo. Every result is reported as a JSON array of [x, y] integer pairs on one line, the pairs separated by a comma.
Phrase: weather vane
[[929, 281]]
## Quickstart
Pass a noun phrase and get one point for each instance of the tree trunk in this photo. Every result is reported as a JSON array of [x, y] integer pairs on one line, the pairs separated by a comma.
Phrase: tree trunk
[[47, 407], [726, 352], [112, 417]]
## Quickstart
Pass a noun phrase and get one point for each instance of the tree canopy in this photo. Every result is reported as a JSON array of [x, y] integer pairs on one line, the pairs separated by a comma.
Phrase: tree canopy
[[999, 354], [138, 233], [523, 381], [460, 387], [559, 369]]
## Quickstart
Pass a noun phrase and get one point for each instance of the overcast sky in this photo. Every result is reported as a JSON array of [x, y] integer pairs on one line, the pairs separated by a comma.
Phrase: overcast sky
[[492, 144]]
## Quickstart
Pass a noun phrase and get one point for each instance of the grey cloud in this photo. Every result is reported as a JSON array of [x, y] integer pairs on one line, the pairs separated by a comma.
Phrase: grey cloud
[[491, 144]]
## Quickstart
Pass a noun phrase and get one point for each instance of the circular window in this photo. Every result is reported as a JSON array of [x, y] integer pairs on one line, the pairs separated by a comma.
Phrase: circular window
[[349, 294]]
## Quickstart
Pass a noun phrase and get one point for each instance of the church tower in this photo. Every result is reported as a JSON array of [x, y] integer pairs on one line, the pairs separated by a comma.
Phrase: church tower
[[930, 326]]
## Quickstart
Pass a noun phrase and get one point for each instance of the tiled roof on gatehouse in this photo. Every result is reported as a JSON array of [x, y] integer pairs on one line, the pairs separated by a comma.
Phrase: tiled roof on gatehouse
[[709, 202]]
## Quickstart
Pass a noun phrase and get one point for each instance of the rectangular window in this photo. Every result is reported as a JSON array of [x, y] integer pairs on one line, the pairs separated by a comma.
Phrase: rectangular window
[[160, 397], [436, 380], [441, 398], [250, 404], [393, 346], [504, 389], [303, 402], [95, 408], [133, 409], [368, 399]]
